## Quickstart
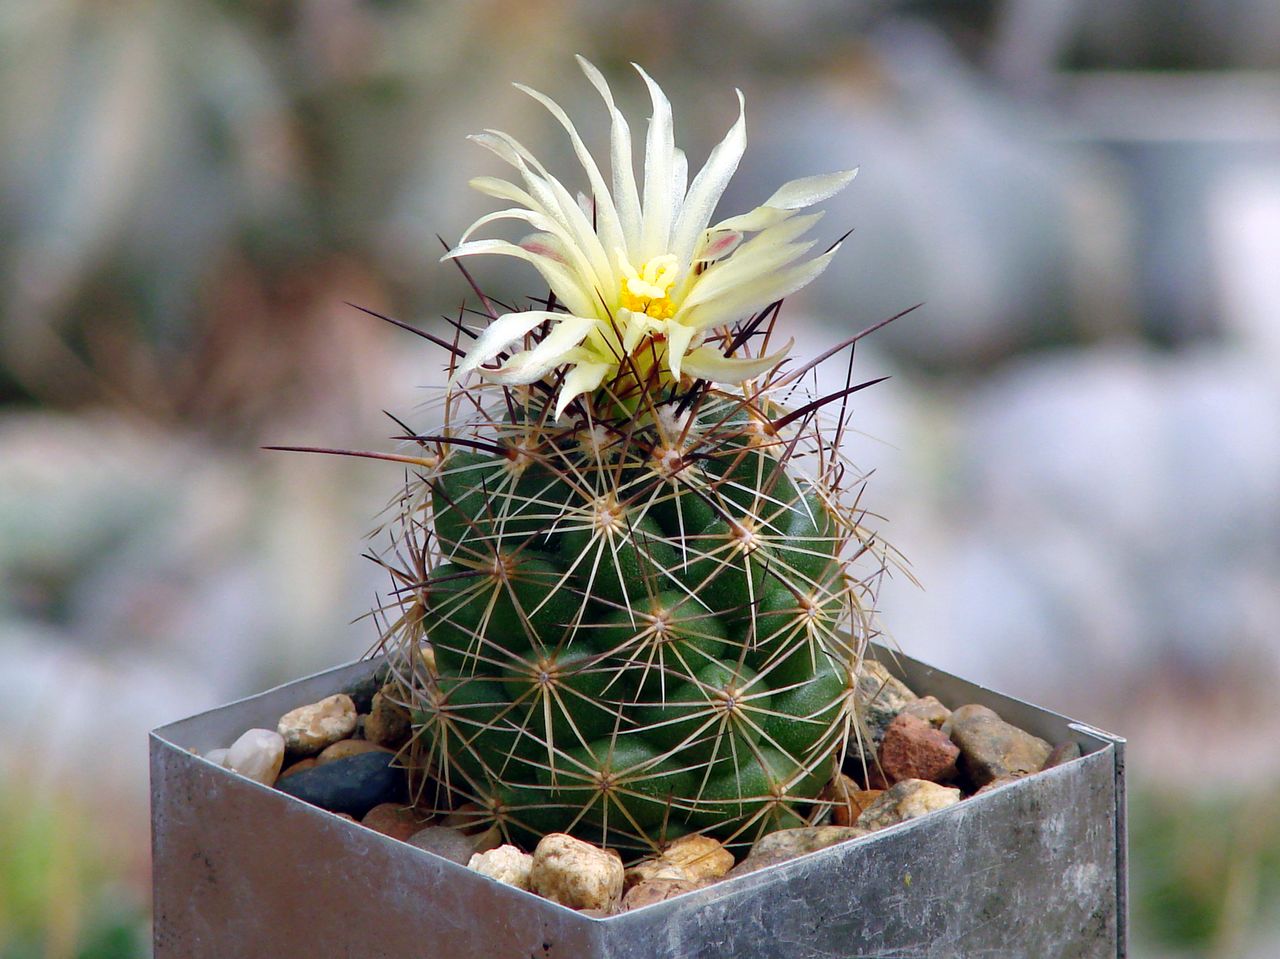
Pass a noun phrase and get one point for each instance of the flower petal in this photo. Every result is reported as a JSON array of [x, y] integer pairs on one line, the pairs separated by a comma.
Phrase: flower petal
[[566, 252], [503, 190], [791, 196], [717, 244], [678, 338], [568, 286], [625, 194], [544, 245], [749, 297], [708, 186], [808, 190], [708, 363], [538, 221], [764, 254], [500, 334], [559, 204], [659, 173], [635, 327], [761, 218], [679, 184], [607, 215], [583, 378], [532, 365]]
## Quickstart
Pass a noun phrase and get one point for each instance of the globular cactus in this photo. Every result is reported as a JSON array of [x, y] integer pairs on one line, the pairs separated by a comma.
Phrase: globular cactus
[[629, 599]]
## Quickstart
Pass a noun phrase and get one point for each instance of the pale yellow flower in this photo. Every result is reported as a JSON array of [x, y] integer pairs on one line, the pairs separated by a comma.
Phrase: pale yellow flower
[[642, 275]]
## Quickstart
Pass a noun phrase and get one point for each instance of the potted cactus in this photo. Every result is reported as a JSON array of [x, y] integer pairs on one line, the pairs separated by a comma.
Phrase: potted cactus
[[633, 578]]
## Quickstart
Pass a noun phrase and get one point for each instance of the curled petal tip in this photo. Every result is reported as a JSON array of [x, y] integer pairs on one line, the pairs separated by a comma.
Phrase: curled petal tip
[[527, 90]]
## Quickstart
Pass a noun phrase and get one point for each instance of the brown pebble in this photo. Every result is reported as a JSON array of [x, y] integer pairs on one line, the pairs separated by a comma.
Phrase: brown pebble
[[786, 844], [913, 749], [445, 843], [491, 838], [700, 856], [1062, 753], [298, 767], [392, 819], [658, 890], [650, 869], [997, 783], [838, 792], [849, 801], [348, 747], [968, 711], [929, 709], [863, 798], [991, 748], [388, 722]]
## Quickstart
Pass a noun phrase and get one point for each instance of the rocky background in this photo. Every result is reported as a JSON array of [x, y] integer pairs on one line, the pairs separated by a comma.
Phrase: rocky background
[[1079, 449]]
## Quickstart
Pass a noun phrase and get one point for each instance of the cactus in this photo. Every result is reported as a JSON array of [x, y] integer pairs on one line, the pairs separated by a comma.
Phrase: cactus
[[628, 593]]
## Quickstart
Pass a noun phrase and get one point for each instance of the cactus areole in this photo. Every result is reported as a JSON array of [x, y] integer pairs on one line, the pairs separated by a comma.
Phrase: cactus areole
[[632, 581]]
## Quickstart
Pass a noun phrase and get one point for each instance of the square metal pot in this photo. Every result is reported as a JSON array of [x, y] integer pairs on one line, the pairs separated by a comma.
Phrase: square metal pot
[[1033, 869]]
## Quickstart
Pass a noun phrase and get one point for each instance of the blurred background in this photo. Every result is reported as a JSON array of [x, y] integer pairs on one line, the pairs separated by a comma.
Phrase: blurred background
[[1079, 449]]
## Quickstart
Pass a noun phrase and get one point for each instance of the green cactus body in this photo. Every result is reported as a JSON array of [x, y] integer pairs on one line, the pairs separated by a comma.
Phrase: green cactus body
[[635, 635]]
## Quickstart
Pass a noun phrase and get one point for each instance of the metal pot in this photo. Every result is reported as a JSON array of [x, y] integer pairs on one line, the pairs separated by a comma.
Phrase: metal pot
[[1033, 869]]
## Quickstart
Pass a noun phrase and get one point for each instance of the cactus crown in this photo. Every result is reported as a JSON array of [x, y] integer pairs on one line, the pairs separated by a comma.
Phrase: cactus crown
[[632, 579]]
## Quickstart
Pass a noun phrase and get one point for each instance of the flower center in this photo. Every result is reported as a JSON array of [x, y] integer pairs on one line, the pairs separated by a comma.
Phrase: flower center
[[647, 290]]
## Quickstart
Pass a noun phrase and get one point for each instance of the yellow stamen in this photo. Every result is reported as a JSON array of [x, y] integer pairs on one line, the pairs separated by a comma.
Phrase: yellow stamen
[[648, 289]]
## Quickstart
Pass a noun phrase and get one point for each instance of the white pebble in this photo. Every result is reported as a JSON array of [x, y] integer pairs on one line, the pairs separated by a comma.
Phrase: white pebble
[[217, 756], [309, 729], [575, 873], [505, 864], [257, 755]]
